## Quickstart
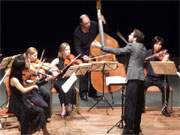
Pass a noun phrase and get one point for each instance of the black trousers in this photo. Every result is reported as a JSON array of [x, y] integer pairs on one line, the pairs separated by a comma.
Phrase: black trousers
[[65, 98], [134, 104], [46, 94], [86, 86], [159, 82], [35, 96]]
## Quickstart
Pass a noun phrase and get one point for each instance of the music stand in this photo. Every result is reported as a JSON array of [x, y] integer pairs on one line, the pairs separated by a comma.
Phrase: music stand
[[7, 61], [118, 80], [164, 68], [79, 70], [103, 66]]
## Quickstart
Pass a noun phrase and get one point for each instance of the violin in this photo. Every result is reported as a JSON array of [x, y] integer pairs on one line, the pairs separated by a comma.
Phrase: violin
[[162, 55], [30, 78], [27, 75], [70, 59]]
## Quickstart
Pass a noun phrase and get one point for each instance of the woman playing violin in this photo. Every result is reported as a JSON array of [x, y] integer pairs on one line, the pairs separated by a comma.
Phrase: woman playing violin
[[158, 80], [31, 55], [30, 116], [64, 58]]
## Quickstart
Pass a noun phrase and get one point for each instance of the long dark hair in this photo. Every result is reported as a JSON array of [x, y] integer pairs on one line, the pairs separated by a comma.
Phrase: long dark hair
[[18, 66], [157, 39]]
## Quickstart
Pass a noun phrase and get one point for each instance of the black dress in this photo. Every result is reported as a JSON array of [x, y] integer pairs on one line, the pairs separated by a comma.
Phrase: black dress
[[30, 116], [70, 96]]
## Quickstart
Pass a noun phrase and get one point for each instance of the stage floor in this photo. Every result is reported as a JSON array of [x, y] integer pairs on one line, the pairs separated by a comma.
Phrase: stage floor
[[97, 122]]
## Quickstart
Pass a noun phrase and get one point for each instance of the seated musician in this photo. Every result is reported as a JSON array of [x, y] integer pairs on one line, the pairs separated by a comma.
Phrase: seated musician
[[30, 116], [154, 79], [31, 55], [63, 59]]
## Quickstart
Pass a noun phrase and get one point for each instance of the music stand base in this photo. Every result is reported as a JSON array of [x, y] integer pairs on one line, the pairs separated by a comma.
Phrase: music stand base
[[103, 98], [117, 125]]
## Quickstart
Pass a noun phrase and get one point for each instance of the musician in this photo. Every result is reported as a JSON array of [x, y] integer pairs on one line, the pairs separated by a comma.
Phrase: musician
[[30, 116], [31, 56], [135, 77], [154, 79], [69, 98], [84, 34]]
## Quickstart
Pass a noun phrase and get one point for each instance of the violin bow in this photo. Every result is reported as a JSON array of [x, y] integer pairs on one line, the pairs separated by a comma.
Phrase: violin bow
[[155, 55], [42, 54]]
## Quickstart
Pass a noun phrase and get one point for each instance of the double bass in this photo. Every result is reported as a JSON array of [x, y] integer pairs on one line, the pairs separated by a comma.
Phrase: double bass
[[98, 77]]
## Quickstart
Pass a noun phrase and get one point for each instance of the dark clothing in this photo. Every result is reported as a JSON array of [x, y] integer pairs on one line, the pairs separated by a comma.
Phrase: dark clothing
[[31, 116], [39, 98], [46, 94], [150, 81], [150, 71], [82, 41], [135, 85], [157, 80], [134, 104], [70, 96]]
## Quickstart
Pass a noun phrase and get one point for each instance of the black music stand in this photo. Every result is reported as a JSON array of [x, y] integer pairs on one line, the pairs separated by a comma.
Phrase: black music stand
[[164, 68], [79, 70], [120, 81], [103, 66]]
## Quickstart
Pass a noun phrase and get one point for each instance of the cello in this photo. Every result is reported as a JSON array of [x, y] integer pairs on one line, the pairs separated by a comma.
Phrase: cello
[[98, 77]]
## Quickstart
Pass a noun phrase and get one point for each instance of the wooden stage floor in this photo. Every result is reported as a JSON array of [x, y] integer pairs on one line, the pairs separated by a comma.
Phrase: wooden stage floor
[[97, 122]]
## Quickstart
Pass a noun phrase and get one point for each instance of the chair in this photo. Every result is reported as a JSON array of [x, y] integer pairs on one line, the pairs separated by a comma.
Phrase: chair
[[4, 113], [155, 89], [53, 91]]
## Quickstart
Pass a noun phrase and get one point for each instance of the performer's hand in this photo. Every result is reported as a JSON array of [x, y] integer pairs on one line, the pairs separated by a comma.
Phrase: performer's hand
[[103, 19], [35, 87], [85, 58], [97, 44]]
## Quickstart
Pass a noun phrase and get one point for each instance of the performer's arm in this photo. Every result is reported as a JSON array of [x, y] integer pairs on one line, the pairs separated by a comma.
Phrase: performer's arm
[[15, 82], [118, 51]]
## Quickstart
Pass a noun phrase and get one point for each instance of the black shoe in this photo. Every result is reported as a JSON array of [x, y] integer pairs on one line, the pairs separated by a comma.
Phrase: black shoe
[[138, 131], [128, 132], [84, 98], [94, 96], [165, 112]]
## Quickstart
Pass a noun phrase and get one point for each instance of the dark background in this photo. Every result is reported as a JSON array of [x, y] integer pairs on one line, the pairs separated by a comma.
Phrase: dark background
[[45, 24]]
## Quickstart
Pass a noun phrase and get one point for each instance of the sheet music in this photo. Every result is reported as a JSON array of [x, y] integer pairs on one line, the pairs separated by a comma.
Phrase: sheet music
[[69, 82], [115, 80]]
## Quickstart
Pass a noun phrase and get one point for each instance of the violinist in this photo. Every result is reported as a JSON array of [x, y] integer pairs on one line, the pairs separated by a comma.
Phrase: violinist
[[64, 58], [30, 116], [31, 55], [154, 79]]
